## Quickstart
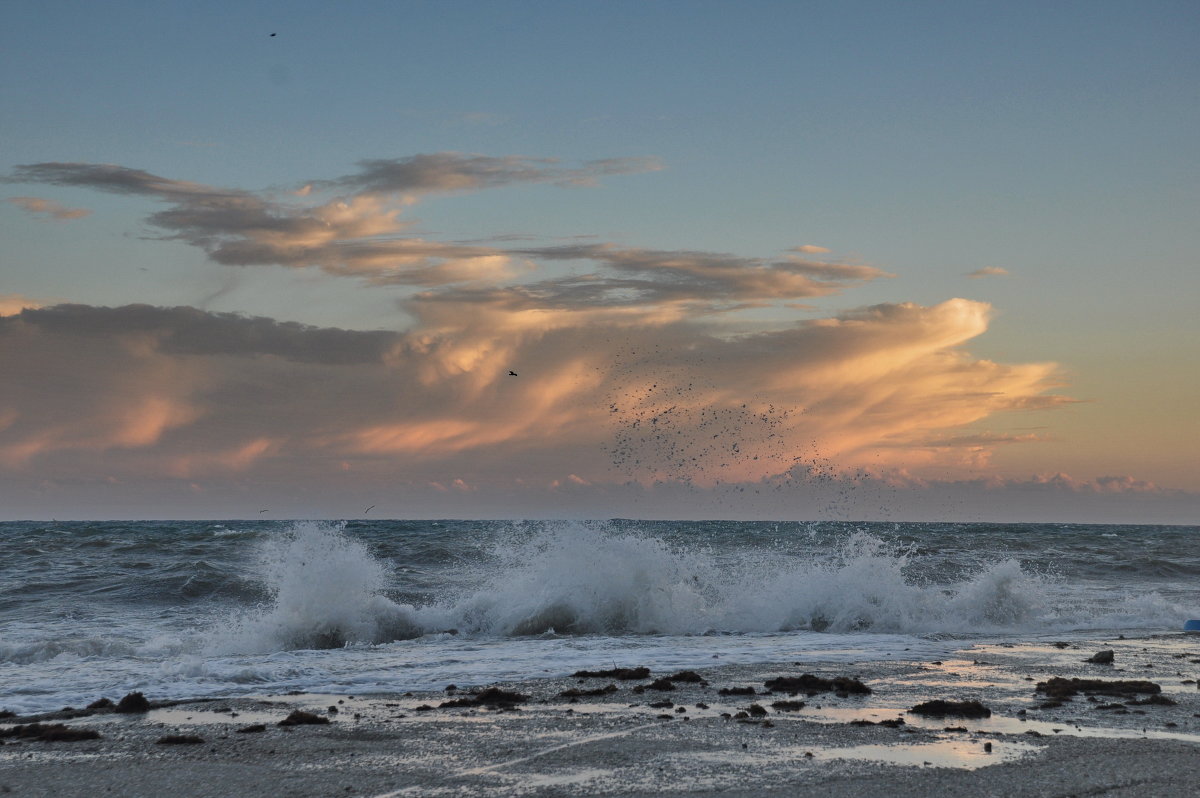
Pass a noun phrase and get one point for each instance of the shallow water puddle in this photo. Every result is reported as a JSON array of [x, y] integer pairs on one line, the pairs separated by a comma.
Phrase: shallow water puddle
[[192, 717], [996, 724], [962, 754]]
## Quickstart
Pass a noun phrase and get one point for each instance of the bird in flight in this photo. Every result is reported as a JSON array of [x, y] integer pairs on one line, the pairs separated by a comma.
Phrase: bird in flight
[[369, 509], [272, 34], [512, 373]]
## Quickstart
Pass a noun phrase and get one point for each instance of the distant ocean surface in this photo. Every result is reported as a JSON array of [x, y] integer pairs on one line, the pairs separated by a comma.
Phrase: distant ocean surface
[[181, 609]]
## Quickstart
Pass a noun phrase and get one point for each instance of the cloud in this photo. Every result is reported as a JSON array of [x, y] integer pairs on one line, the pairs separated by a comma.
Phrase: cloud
[[637, 366], [188, 331], [356, 233], [989, 271], [650, 277], [456, 171], [603, 395], [11, 304], [50, 208], [359, 233], [115, 179], [982, 440]]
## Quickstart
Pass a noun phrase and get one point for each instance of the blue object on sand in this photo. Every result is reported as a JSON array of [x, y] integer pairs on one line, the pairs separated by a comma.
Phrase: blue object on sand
[[1192, 626]]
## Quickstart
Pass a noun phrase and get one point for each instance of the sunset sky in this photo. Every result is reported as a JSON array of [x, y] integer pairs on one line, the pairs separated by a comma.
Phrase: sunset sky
[[749, 260]]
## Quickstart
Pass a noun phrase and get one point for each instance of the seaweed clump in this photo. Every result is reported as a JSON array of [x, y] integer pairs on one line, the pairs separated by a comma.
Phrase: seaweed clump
[[958, 709], [842, 686], [492, 697], [1063, 689], [624, 674], [301, 718], [50, 733], [133, 703]]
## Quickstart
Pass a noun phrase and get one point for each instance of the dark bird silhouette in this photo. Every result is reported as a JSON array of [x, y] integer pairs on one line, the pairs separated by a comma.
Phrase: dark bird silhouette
[[264, 511], [369, 509], [272, 34], [512, 373]]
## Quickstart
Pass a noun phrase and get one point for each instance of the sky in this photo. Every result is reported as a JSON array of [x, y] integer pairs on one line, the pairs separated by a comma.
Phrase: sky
[[768, 260]]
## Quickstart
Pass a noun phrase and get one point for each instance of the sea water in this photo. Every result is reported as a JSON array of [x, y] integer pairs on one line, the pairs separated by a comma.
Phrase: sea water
[[180, 609]]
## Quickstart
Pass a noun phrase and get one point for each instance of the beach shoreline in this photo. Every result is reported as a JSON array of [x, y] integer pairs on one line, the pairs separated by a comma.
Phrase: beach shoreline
[[662, 735]]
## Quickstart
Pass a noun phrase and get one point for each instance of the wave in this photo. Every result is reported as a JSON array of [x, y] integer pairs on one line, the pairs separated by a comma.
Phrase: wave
[[45, 650], [71, 646], [326, 589]]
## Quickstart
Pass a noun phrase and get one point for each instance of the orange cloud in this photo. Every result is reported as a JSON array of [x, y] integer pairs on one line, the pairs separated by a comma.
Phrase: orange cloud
[[12, 304], [628, 364], [50, 208], [604, 395]]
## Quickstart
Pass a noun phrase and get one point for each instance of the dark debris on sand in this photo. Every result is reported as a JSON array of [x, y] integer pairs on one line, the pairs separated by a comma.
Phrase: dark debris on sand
[[958, 709], [301, 718], [623, 674], [809, 684], [788, 706], [575, 692], [736, 691], [492, 697], [253, 728], [687, 676], [661, 685], [1059, 689], [50, 733], [891, 723], [133, 703]]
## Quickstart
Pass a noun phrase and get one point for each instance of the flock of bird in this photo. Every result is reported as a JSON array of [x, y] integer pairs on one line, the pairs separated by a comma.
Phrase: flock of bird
[[677, 428]]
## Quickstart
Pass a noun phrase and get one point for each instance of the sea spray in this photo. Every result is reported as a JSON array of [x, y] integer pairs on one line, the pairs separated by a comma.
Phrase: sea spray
[[324, 591], [574, 578], [185, 609], [327, 589]]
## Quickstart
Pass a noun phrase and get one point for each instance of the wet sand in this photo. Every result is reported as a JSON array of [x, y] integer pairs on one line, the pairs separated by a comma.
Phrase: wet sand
[[617, 743]]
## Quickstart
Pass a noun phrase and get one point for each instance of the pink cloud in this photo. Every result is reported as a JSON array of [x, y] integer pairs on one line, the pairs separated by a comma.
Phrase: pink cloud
[[50, 208]]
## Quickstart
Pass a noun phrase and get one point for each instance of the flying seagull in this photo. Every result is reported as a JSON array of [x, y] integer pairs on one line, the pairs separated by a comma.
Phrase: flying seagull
[[369, 509], [512, 373]]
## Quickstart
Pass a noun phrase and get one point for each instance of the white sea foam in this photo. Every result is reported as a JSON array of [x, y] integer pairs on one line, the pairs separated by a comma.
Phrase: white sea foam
[[327, 590], [579, 579]]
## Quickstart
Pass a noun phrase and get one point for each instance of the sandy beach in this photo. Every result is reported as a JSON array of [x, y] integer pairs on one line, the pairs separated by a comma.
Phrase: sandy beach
[[666, 733]]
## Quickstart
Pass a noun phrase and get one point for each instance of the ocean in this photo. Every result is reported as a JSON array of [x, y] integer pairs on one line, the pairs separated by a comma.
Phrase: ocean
[[183, 609]]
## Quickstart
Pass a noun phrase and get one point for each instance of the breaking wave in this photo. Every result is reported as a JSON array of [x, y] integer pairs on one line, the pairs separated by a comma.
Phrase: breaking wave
[[325, 590], [328, 590]]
